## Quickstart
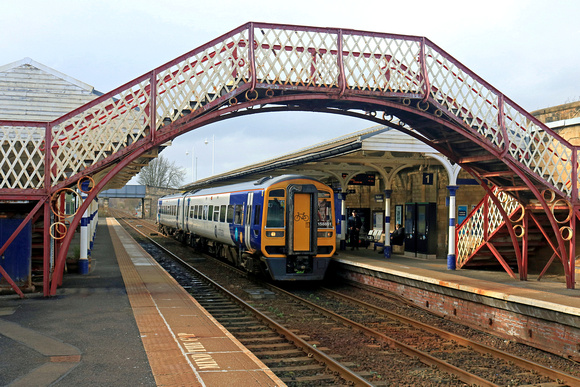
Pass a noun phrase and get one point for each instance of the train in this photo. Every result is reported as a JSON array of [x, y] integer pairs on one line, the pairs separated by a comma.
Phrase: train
[[282, 226]]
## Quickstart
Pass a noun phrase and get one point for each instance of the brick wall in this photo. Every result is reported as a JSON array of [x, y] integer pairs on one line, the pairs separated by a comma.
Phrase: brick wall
[[550, 336]]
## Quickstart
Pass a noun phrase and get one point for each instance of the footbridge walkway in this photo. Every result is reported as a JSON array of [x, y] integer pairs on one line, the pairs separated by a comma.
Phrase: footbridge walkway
[[404, 82]]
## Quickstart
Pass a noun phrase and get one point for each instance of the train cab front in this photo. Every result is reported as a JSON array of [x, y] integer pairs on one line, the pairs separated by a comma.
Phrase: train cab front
[[299, 239]]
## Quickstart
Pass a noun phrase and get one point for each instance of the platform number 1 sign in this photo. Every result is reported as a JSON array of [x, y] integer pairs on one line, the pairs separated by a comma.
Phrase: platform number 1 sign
[[427, 178]]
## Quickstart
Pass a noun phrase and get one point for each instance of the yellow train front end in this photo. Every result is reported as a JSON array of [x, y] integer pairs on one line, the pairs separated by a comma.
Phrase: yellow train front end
[[298, 234]]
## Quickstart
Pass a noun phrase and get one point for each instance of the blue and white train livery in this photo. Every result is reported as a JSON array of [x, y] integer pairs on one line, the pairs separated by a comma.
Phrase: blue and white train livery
[[282, 226]]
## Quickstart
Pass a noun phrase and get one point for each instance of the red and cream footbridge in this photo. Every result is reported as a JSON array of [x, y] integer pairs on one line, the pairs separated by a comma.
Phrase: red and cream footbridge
[[405, 82]]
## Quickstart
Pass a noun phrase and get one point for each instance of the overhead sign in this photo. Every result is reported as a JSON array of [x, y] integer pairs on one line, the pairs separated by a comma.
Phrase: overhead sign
[[362, 179]]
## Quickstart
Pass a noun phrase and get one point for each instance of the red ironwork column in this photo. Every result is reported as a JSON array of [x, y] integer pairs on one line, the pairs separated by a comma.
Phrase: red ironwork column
[[46, 257], [525, 245], [153, 104]]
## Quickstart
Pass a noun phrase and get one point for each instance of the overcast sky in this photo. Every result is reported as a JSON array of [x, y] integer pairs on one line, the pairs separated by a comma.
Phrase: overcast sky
[[529, 50]]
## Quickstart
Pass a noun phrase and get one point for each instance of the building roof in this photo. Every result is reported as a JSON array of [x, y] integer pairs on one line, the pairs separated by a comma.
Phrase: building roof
[[357, 152], [31, 91]]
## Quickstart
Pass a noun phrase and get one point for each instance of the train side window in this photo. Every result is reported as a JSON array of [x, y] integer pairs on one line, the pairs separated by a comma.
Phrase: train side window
[[238, 214], [230, 217], [223, 213], [216, 213], [210, 213], [257, 214], [249, 215], [205, 212]]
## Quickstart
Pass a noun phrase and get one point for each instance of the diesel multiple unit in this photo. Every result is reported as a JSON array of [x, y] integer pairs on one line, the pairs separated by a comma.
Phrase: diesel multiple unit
[[281, 226]]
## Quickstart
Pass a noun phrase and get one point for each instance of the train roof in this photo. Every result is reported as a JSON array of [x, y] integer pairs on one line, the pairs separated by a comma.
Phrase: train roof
[[262, 183]]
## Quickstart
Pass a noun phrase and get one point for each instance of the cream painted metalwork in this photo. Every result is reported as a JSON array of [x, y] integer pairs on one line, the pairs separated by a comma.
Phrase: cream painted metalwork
[[471, 234], [99, 131], [22, 157]]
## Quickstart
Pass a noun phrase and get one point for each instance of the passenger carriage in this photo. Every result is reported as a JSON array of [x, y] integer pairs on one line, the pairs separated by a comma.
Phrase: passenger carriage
[[282, 226]]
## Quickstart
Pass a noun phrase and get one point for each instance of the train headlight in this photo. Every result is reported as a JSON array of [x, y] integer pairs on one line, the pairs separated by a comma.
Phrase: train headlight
[[324, 234], [275, 234]]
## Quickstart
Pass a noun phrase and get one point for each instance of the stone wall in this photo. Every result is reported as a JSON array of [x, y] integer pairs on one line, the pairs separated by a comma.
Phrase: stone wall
[[566, 111], [408, 187]]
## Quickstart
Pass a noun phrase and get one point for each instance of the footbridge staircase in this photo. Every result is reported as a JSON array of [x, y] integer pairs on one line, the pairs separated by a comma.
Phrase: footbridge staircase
[[405, 82]]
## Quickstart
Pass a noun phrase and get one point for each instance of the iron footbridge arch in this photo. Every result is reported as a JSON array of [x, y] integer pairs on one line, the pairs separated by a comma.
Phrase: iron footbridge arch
[[405, 82]]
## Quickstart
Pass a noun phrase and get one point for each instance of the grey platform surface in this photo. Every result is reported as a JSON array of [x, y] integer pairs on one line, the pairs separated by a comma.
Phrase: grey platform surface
[[84, 336]]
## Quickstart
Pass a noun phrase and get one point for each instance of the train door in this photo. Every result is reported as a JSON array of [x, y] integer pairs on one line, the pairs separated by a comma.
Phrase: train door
[[255, 221], [177, 215], [301, 219], [186, 213], [248, 220]]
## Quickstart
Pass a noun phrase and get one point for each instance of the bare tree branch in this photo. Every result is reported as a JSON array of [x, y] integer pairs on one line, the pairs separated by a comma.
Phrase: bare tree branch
[[161, 173]]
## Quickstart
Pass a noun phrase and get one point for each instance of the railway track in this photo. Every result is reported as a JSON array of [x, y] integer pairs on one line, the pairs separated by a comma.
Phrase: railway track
[[394, 338], [294, 358]]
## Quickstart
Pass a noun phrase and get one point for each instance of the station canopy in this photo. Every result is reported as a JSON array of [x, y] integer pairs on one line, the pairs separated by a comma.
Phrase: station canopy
[[366, 151]]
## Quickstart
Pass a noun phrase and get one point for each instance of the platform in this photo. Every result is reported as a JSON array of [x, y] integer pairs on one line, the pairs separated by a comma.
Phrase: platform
[[126, 323], [540, 313]]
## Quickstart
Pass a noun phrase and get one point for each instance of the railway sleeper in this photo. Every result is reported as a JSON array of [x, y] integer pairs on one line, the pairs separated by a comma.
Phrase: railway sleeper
[[288, 360], [235, 323], [261, 339], [255, 332], [313, 378], [224, 310], [258, 347], [286, 352], [309, 367], [224, 315]]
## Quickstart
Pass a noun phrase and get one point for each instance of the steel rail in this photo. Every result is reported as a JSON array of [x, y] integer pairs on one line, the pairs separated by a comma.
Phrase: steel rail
[[482, 348], [332, 364], [463, 375]]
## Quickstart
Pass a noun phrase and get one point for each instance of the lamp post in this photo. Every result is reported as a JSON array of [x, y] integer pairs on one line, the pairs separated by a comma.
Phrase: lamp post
[[212, 153], [193, 163]]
